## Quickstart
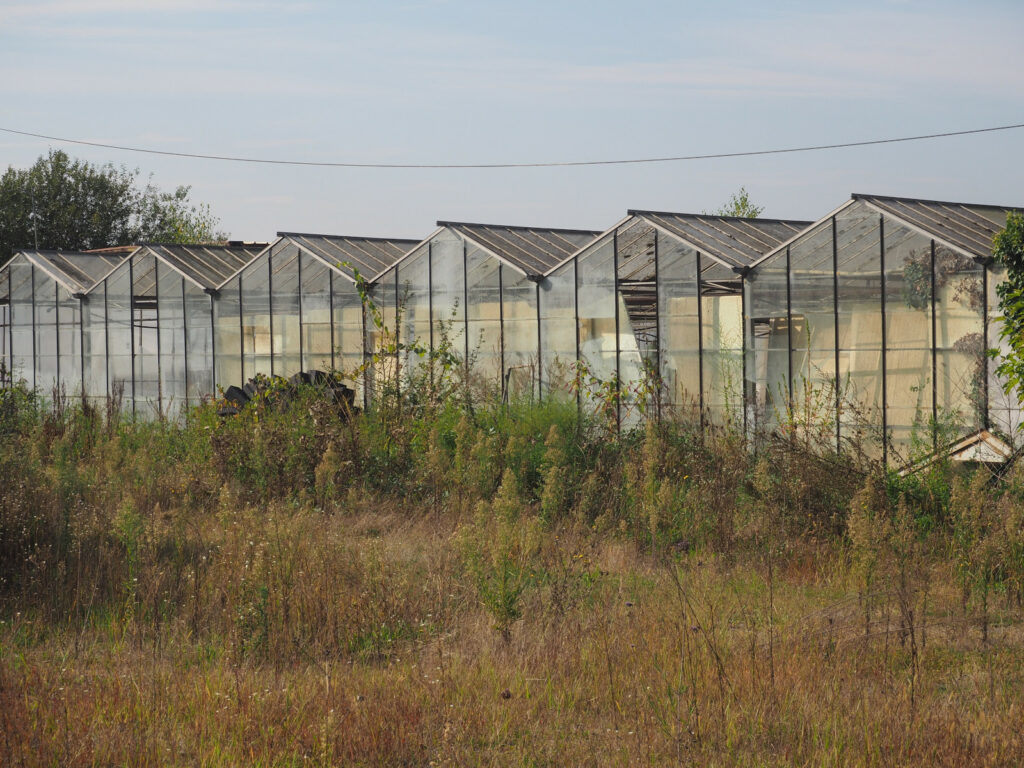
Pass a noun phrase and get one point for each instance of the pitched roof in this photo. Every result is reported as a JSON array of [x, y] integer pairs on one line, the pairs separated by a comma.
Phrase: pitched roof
[[369, 255], [75, 270], [206, 265], [736, 241], [966, 226], [534, 250]]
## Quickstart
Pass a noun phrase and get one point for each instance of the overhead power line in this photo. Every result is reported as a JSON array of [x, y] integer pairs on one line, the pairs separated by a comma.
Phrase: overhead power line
[[563, 164]]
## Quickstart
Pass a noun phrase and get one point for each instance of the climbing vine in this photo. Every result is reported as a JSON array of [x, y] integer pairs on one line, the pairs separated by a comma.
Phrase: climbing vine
[[1008, 249]]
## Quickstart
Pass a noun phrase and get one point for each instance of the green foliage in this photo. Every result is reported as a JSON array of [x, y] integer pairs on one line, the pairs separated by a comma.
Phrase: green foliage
[[71, 204], [500, 548], [1008, 249], [740, 205]]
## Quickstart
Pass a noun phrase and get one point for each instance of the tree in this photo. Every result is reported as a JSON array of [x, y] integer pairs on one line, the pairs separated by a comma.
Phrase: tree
[[67, 204], [1008, 250], [740, 205]]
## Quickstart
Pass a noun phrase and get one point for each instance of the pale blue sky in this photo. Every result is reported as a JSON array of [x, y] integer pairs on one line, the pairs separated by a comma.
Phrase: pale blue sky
[[435, 81]]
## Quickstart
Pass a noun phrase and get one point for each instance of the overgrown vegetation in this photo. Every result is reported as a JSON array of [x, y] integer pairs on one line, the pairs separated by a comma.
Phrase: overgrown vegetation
[[453, 579]]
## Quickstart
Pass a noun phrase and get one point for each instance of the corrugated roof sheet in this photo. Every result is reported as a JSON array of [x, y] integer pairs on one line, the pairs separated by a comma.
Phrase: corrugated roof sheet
[[370, 255], [964, 225], [535, 250], [738, 242], [206, 265], [76, 271]]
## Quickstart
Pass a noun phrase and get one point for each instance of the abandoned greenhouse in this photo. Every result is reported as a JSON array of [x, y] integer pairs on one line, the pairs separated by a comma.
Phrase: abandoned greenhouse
[[873, 325], [868, 326]]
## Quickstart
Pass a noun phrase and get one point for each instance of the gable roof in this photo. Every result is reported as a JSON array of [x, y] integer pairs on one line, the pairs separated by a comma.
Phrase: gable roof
[[735, 241], [966, 226], [77, 271], [208, 266], [533, 250], [369, 255]]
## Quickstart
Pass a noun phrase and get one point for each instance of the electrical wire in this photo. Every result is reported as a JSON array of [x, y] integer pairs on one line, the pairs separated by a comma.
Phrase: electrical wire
[[564, 164]]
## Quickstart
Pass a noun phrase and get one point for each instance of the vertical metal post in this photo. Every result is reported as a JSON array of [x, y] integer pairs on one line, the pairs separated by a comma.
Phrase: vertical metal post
[[184, 335], [56, 334], [700, 340], [985, 420], [465, 304], [81, 341], [241, 331], [430, 294], [106, 335], [398, 346], [576, 319], [302, 319], [131, 321], [789, 333], [331, 321], [618, 375], [159, 356], [213, 346], [657, 331], [835, 330], [10, 325], [744, 341], [35, 346], [501, 326], [540, 350], [935, 356], [270, 308], [885, 343]]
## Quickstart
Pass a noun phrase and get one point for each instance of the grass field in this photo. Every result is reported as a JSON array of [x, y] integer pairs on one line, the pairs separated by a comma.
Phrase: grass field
[[493, 586]]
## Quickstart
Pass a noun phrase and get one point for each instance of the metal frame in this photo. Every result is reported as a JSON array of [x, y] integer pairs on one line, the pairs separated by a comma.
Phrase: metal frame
[[618, 331], [835, 331], [885, 342]]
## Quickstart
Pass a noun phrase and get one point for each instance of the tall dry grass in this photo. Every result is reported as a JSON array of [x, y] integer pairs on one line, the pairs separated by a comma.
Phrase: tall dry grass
[[465, 583]]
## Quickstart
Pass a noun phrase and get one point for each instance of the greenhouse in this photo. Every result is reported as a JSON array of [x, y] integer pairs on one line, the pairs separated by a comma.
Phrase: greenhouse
[[297, 307], [871, 327], [133, 324], [655, 304], [867, 329], [42, 333], [474, 289]]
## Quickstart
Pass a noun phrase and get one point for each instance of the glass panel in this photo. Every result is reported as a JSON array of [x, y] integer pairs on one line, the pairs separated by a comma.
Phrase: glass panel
[[448, 283], [317, 345], [960, 340], [637, 314], [859, 281], [22, 317], [69, 330], [348, 328], [94, 336], [414, 300], [519, 330], [171, 315], [119, 334], [199, 349], [228, 346], [256, 323], [812, 293], [380, 330], [484, 318], [908, 335], [558, 328], [287, 346], [723, 357], [768, 343], [595, 280], [145, 334], [45, 300]]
